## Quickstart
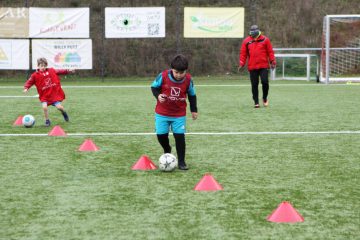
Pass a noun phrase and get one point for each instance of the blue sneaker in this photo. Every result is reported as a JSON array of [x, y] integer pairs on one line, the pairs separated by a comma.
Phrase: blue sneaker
[[66, 117], [47, 123]]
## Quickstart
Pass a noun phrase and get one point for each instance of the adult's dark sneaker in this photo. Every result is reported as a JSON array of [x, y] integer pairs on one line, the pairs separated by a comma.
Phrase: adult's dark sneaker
[[47, 123], [66, 117]]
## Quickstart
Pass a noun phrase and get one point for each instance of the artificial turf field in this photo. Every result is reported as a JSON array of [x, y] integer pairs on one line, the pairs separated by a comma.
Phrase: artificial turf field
[[303, 148]]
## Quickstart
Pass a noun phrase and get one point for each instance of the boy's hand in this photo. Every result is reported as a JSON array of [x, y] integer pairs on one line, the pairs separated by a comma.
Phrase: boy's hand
[[25, 90], [162, 97], [194, 115]]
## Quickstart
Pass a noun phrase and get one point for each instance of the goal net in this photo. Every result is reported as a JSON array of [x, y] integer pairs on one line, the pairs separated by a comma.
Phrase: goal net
[[340, 55]]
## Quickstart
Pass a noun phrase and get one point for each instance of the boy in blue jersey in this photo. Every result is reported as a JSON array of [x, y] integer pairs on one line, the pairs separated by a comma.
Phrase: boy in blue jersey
[[170, 88]]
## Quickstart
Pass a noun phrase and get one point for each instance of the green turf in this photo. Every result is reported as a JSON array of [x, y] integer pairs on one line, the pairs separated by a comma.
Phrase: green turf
[[49, 190]]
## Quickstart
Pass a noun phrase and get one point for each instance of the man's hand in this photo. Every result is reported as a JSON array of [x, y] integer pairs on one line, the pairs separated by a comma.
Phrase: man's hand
[[194, 115], [241, 68], [25, 90], [162, 97], [273, 65]]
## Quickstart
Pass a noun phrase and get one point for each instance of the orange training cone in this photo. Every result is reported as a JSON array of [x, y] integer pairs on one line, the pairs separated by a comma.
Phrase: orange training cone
[[88, 146], [57, 131], [144, 163], [18, 121], [285, 213], [208, 183]]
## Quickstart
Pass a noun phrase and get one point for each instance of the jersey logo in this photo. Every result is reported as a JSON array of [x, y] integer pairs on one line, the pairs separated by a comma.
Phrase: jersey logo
[[175, 91]]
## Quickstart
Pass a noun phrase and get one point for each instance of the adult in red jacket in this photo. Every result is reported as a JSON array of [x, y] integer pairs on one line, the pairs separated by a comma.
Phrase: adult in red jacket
[[48, 86], [257, 50]]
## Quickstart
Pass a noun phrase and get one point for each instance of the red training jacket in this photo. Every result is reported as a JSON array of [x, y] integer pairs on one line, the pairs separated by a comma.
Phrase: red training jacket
[[47, 84], [176, 92], [258, 51]]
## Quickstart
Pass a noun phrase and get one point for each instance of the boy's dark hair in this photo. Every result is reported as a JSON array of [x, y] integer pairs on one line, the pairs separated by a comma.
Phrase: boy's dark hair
[[179, 63]]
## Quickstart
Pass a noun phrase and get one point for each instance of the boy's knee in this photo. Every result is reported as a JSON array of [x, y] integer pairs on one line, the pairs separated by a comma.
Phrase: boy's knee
[[59, 107]]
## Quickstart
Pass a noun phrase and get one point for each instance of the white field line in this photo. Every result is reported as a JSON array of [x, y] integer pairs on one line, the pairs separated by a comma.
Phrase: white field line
[[19, 96], [196, 85], [190, 133]]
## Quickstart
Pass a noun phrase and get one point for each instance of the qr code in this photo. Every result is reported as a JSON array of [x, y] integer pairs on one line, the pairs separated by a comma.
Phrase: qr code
[[153, 29]]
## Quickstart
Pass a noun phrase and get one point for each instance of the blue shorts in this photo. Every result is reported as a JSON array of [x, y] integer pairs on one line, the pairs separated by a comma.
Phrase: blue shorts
[[53, 104], [164, 123]]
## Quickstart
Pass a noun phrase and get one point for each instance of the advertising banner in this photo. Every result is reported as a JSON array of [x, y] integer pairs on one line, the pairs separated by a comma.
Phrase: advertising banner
[[14, 54], [213, 22], [59, 22], [139, 22], [14, 22], [63, 53]]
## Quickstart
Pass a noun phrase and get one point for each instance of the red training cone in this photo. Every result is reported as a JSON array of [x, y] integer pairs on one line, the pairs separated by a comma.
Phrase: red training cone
[[285, 213], [18, 121], [57, 131], [144, 163], [88, 146], [208, 183]]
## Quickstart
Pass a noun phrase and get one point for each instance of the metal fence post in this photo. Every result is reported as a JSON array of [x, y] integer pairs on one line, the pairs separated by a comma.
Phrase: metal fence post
[[178, 27]]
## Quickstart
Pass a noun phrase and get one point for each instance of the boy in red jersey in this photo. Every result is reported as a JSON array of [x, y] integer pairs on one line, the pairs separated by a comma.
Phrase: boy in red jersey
[[48, 87], [170, 88], [257, 49]]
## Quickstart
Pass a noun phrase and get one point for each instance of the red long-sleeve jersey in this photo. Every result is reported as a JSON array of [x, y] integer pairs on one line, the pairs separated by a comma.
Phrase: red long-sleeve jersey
[[259, 53], [47, 84]]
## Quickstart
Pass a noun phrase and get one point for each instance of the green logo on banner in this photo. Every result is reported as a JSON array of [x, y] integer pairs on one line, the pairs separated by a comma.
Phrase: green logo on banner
[[212, 25]]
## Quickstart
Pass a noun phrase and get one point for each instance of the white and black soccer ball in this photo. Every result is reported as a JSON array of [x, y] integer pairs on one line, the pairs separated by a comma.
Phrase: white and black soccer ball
[[28, 121], [167, 162]]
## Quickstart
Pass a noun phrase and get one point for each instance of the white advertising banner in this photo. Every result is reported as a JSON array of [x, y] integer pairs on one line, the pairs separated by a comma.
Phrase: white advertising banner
[[63, 53], [205, 22], [59, 22], [138, 22], [14, 54]]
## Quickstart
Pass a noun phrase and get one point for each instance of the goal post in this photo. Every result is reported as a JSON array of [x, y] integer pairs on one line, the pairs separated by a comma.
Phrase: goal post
[[296, 66], [340, 55]]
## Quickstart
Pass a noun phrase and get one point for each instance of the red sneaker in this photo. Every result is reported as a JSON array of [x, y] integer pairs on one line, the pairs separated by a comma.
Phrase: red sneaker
[[257, 106]]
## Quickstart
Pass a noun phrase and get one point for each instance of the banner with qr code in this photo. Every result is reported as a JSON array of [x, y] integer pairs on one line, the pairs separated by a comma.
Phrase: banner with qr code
[[14, 54], [63, 53], [14, 22], [137, 22], [59, 22], [203, 22]]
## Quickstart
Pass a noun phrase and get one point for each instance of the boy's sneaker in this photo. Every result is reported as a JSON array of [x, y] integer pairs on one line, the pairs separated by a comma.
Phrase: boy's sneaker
[[47, 123], [266, 103], [183, 167], [66, 117], [256, 106]]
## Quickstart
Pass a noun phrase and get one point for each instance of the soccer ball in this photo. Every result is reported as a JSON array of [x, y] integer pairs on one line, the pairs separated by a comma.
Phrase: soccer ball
[[167, 162], [28, 121]]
